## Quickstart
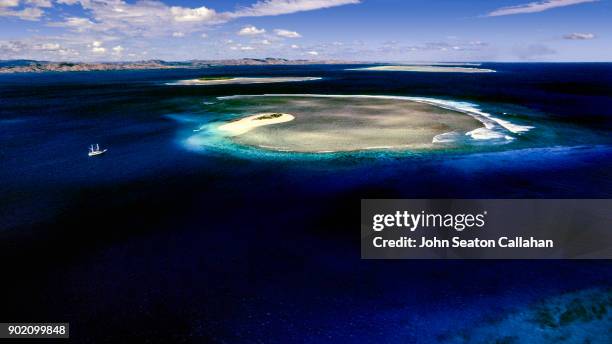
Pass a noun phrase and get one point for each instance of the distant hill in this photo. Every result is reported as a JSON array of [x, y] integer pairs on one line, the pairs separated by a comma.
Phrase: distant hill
[[32, 66], [18, 63]]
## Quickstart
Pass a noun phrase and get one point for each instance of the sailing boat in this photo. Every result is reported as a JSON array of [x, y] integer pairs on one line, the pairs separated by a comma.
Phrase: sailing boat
[[95, 150]]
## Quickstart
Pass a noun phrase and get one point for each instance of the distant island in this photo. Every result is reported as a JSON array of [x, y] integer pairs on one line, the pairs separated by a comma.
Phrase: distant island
[[228, 80], [433, 68], [32, 66]]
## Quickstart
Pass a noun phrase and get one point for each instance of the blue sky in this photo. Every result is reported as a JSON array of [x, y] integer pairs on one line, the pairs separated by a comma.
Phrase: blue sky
[[358, 30]]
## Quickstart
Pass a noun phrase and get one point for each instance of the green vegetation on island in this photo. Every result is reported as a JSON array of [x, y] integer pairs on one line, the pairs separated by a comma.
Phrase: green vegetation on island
[[214, 78], [269, 116]]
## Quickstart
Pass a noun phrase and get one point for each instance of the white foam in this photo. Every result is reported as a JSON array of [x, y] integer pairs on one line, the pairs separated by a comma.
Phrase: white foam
[[274, 148], [488, 134], [472, 109], [446, 137], [515, 128]]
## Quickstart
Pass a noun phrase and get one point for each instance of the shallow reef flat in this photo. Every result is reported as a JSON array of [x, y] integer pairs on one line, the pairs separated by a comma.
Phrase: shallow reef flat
[[577, 317], [427, 69], [210, 81], [338, 124]]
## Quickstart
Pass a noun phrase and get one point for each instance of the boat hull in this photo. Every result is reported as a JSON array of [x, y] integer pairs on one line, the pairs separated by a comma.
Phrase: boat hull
[[96, 153]]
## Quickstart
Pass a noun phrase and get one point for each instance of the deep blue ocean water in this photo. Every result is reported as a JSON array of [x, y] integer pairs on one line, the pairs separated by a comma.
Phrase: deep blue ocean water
[[161, 241]]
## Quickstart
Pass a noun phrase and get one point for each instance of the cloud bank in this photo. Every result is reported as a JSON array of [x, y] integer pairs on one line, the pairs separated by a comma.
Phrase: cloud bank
[[287, 33], [579, 36], [151, 14], [534, 7], [250, 31], [277, 7]]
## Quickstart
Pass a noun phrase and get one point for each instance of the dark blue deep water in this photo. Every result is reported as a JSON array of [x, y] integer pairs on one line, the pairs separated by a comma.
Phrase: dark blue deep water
[[158, 241]]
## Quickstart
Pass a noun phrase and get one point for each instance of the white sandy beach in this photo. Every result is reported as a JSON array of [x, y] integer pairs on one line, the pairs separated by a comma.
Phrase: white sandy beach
[[246, 124]]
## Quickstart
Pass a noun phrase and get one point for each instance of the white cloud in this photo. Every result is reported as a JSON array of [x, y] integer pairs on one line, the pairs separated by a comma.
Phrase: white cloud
[[154, 18], [148, 18], [28, 13], [246, 48], [250, 31], [579, 36], [78, 24], [49, 46], [201, 14], [11, 48], [178, 34], [118, 49], [295, 46], [39, 3], [32, 13], [204, 35], [313, 53], [534, 7], [35, 50], [287, 33], [9, 3], [136, 24], [97, 48], [277, 7], [478, 43]]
